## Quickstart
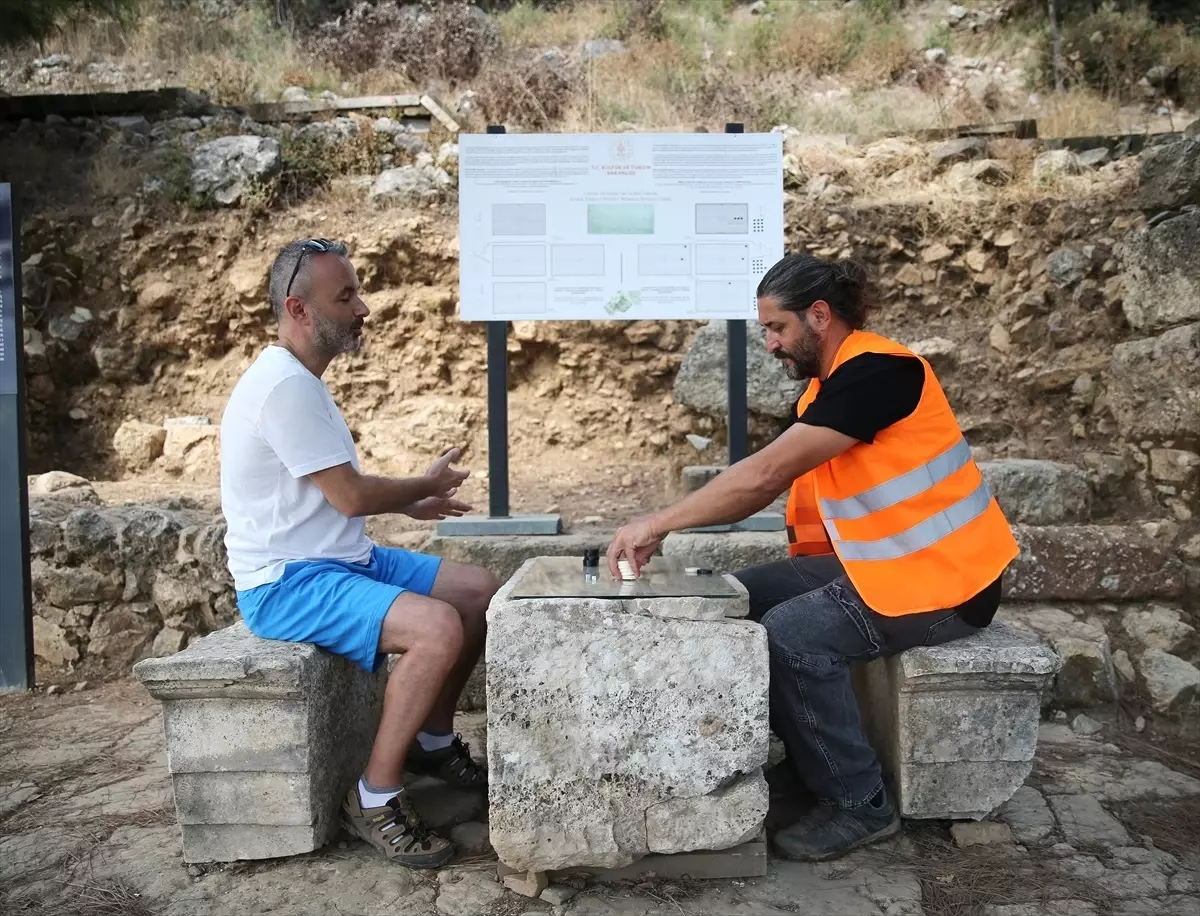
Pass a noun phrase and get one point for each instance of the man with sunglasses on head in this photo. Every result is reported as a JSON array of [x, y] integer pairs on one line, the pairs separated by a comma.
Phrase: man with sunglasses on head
[[305, 570]]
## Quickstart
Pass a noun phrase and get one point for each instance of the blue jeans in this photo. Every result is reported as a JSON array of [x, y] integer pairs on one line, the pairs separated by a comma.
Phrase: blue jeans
[[816, 626]]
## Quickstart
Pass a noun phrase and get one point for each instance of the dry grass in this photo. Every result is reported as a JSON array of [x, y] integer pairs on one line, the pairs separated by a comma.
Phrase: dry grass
[[819, 67], [969, 882], [234, 59], [111, 173], [110, 897], [524, 25], [1173, 824]]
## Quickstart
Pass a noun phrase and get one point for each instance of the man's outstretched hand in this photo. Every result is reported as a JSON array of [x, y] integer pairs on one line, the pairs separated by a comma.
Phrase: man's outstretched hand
[[434, 508], [636, 542], [445, 479]]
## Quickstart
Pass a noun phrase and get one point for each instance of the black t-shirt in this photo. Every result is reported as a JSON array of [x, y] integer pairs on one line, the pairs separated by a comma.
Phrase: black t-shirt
[[868, 393]]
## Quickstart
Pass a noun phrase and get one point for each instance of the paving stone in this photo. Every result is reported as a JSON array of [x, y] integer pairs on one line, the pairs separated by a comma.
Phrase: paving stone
[[467, 893], [1137, 883], [1061, 908], [1084, 867], [1084, 822], [1028, 815], [1140, 855], [1183, 883], [1083, 766], [1173, 905], [13, 796]]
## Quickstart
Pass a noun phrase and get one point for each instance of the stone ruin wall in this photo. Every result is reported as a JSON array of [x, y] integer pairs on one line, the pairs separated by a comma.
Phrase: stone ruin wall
[[1059, 330]]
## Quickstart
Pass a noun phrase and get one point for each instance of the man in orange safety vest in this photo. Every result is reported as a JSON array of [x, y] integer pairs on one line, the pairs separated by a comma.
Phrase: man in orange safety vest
[[894, 539]]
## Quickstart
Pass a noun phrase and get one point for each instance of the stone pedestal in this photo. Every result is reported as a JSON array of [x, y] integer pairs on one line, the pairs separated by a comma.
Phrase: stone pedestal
[[263, 740], [956, 726], [623, 725]]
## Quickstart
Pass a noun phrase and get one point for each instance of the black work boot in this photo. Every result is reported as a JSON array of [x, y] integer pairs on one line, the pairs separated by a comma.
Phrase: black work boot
[[452, 764], [834, 832]]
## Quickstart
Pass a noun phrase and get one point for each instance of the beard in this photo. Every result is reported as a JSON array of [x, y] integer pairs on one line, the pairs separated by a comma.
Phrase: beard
[[333, 338], [804, 360]]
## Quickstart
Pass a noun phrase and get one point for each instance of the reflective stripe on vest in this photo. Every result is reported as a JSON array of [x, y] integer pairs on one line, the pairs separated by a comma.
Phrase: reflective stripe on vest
[[898, 489], [919, 536]]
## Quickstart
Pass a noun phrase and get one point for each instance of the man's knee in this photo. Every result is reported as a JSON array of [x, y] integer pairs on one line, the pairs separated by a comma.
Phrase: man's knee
[[433, 629], [481, 585], [445, 631]]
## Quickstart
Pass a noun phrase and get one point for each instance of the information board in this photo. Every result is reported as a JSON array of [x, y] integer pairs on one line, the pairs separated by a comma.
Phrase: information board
[[559, 227]]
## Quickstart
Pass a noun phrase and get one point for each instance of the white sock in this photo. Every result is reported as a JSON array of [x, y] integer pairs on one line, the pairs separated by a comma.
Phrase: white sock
[[370, 797], [432, 742]]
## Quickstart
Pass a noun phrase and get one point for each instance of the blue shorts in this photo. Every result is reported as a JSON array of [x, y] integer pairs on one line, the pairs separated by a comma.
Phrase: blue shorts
[[337, 605]]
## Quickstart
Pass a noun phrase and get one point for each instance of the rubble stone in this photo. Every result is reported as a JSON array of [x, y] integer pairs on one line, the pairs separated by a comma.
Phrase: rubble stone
[[1173, 683], [62, 485], [1162, 280], [1159, 627], [961, 149], [1056, 163], [225, 169], [1169, 176], [701, 382], [138, 444], [1086, 677], [50, 643], [1039, 492], [409, 183], [1154, 389]]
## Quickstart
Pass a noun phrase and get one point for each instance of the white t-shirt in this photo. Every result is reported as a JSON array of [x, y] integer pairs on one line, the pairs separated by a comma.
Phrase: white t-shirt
[[280, 425]]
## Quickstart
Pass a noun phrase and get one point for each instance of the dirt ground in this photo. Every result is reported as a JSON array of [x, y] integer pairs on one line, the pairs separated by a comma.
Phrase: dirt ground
[[87, 828]]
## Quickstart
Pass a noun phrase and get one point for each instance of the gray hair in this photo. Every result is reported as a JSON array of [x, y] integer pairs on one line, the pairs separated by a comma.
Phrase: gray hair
[[285, 263]]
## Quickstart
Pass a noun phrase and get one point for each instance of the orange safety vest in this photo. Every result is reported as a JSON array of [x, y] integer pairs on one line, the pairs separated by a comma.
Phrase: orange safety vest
[[909, 515]]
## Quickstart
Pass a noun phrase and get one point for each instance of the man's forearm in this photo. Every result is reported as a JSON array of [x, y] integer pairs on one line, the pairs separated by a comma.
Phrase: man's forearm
[[390, 495], [733, 495]]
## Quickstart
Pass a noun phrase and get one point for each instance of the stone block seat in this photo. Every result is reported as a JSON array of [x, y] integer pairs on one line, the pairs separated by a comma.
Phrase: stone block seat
[[263, 740], [623, 725], [956, 725]]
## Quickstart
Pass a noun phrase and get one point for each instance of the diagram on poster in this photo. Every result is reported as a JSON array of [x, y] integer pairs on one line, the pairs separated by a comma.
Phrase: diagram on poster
[[563, 227]]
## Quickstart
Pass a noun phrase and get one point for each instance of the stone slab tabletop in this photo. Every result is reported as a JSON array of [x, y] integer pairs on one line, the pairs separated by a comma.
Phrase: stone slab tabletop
[[664, 588]]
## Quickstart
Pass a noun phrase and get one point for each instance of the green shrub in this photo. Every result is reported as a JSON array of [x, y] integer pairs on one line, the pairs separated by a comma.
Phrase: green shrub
[[36, 20]]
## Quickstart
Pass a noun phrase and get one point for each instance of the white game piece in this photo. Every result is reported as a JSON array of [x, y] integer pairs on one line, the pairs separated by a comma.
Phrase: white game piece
[[626, 569]]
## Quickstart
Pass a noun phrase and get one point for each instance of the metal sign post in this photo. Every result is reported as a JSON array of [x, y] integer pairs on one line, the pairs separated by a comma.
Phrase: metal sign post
[[16, 604], [736, 414], [498, 520]]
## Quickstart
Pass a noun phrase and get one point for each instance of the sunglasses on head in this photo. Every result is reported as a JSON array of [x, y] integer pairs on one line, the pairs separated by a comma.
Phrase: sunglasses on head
[[319, 246]]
